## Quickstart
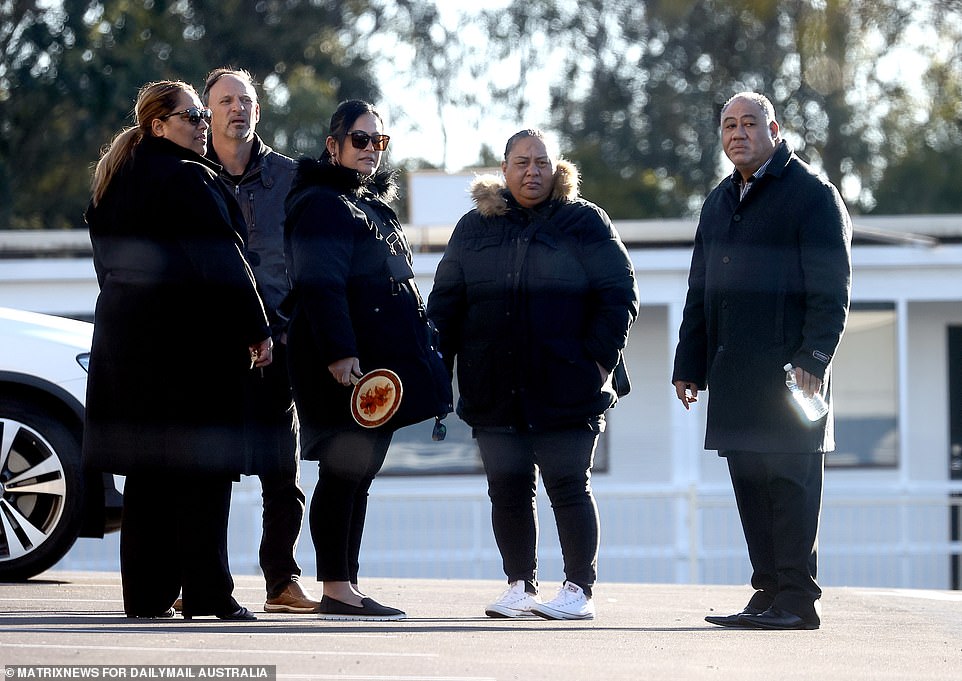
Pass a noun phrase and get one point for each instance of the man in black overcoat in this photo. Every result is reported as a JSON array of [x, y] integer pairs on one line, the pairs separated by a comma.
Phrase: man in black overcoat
[[769, 285]]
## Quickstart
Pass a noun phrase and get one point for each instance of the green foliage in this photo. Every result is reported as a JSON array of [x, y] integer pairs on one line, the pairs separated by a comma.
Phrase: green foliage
[[642, 84], [69, 77], [923, 175], [926, 181], [635, 86]]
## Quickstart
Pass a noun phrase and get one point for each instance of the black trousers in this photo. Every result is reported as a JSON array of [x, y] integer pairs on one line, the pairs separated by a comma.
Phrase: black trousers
[[779, 498], [173, 539], [270, 431], [348, 460], [564, 458], [283, 514]]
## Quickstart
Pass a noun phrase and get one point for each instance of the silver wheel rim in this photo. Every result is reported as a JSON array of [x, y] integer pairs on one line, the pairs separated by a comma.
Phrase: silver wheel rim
[[33, 490]]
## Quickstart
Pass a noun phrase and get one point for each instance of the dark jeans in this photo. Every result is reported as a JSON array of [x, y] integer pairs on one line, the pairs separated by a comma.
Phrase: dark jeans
[[282, 517], [564, 458], [779, 499], [173, 537], [347, 463]]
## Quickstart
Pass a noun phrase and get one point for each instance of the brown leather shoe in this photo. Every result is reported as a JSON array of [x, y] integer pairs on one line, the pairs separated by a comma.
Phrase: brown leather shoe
[[292, 599]]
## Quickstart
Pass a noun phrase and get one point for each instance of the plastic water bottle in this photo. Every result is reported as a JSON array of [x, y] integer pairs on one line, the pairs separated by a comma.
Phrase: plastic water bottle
[[813, 407]]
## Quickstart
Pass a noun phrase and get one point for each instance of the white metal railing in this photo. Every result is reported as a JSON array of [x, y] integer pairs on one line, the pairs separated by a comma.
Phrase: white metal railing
[[893, 539], [897, 539]]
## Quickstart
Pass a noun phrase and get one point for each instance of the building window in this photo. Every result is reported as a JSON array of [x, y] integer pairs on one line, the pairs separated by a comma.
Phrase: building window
[[413, 452], [865, 390]]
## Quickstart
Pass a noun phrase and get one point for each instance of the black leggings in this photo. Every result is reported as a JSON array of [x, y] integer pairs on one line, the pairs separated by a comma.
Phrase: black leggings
[[347, 463], [511, 462]]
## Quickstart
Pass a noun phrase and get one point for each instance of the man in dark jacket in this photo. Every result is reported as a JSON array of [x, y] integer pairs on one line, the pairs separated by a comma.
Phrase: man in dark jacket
[[769, 285], [534, 296], [259, 178]]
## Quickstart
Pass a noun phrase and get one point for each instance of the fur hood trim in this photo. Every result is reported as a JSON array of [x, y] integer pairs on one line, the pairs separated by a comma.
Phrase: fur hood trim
[[382, 184], [490, 193]]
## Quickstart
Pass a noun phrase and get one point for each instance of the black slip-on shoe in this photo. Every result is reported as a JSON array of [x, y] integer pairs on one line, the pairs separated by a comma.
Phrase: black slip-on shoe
[[333, 609]]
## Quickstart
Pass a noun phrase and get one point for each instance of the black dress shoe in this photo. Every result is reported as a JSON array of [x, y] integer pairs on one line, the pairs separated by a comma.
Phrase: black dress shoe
[[166, 614], [369, 609], [776, 618], [733, 620], [241, 614]]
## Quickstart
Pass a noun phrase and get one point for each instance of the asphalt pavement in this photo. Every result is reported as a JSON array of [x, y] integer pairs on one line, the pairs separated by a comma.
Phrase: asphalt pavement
[[71, 625]]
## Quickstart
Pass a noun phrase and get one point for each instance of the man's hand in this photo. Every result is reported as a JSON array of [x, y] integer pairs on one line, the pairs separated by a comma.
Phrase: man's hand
[[687, 392], [809, 383]]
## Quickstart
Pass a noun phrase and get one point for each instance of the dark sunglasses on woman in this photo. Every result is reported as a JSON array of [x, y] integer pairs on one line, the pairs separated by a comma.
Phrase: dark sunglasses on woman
[[360, 140], [193, 115]]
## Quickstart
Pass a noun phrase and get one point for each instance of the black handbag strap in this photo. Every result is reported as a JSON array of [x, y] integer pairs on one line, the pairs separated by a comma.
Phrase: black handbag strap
[[395, 241]]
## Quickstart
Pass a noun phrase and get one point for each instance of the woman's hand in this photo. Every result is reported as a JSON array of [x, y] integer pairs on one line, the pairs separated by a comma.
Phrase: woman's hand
[[343, 369], [262, 353]]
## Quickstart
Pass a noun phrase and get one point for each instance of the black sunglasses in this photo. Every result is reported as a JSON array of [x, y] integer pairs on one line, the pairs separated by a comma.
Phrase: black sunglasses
[[360, 140], [193, 115]]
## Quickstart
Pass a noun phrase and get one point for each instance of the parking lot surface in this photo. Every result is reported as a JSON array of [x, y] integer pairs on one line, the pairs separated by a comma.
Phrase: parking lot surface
[[67, 623]]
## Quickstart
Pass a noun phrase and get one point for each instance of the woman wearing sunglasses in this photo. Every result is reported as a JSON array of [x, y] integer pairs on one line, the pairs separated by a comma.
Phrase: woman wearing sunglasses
[[351, 309], [177, 326]]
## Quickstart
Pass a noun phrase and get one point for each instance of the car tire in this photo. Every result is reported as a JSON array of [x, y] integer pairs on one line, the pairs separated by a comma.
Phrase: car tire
[[41, 488]]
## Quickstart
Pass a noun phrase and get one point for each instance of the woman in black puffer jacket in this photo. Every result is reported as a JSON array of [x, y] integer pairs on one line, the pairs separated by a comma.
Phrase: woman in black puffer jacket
[[534, 296], [349, 316]]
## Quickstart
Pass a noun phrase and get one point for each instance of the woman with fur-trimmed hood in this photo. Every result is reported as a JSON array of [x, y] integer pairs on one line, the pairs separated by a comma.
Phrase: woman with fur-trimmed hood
[[534, 296]]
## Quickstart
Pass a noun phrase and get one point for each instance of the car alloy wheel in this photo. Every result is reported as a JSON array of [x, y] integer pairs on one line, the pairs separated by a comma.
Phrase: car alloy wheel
[[41, 489]]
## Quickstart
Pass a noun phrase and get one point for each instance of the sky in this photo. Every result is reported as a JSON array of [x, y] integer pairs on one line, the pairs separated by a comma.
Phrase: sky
[[413, 120]]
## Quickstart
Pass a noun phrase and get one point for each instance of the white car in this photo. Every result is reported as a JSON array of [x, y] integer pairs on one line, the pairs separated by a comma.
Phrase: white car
[[46, 499]]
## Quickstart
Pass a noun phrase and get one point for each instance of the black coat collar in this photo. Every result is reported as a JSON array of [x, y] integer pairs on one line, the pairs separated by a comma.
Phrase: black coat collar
[[311, 172]]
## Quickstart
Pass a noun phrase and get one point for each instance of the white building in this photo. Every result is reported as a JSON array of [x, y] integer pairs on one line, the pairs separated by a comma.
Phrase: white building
[[892, 492]]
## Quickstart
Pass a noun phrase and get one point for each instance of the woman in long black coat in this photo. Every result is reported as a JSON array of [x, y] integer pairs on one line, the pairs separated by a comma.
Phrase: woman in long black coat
[[178, 324]]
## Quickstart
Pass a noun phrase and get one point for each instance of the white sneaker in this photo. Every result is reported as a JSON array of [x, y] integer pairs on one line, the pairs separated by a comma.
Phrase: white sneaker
[[571, 603], [514, 602]]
